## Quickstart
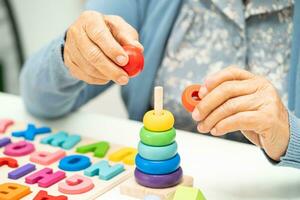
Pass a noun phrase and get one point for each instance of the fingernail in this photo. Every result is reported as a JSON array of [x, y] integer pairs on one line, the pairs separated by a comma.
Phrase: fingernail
[[121, 60], [202, 92], [123, 80], [213, 131], [196, 115]]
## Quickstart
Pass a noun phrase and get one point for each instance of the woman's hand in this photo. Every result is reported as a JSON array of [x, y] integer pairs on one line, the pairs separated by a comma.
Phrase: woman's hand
[[93, 50], [234, 99]]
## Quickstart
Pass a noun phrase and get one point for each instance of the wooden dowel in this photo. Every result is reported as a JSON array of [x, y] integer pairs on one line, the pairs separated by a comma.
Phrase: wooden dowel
[[158, 100]]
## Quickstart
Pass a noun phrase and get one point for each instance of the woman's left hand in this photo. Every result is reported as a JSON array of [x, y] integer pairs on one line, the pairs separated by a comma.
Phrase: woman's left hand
[[234, 99]]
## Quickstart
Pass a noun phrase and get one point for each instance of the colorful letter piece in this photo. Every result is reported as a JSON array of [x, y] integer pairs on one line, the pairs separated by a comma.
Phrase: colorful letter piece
[[13, 191], [157, 166], [21, 148], [10, 162], [4, 124], [43, 195], [126, 154], [4, 141], [76, 184], [62, 139], [104, 170], [74, 163], [188, 193], [46, 158], [100, 149], [21, 171], [45, 177], [31, 132]]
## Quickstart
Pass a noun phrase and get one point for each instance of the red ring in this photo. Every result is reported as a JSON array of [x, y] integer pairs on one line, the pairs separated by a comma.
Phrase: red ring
[[190, 97]]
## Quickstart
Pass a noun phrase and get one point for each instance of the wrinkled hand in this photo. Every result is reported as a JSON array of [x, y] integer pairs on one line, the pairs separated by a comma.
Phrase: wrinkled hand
[[93, 50], [234, 99]]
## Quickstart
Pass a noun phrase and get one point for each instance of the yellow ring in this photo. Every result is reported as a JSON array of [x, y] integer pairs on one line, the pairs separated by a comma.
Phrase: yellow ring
[[158, 123]]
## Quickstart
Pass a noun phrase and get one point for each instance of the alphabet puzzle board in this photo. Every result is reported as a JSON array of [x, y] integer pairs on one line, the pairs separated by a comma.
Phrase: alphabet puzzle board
[[90, 175]]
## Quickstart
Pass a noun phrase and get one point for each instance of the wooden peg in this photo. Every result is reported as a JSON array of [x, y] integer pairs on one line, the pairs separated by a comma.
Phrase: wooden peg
[[158, 100]]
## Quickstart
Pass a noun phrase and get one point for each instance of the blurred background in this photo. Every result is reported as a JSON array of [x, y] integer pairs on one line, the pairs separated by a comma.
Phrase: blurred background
[[27, 26]]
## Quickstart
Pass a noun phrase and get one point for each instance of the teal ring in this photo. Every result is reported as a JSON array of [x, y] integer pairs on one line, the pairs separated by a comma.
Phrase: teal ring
[[157, 153]]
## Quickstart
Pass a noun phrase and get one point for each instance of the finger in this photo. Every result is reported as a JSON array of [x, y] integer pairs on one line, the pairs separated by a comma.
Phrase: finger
[[230, 107], [241, 121], [80, 75], [123, 32], [222, 93], [96, 58], [227, 74], [100, 34], [84, 65]]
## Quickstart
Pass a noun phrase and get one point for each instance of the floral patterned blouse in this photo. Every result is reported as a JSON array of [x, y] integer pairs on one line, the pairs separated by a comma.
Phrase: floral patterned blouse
[[210, 35]]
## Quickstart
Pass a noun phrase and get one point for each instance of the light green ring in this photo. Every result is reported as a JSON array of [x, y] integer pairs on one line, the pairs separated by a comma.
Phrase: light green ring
[[157, 138]]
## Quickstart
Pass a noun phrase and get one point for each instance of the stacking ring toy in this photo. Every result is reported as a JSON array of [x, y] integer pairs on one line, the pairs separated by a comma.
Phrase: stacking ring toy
[[157, 166], [157, 138], [158, 123], [157, 153], [190, 97], [158, 181]]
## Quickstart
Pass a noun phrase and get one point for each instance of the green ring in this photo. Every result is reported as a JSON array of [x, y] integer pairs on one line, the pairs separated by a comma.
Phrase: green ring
[[157, 138]]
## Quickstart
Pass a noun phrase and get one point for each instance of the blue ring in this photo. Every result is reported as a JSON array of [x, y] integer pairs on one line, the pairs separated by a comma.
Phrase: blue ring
[[157, 166], [157, 153]]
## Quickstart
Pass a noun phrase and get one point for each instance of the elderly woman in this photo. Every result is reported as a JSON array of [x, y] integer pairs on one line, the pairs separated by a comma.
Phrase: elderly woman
[[184, 42]]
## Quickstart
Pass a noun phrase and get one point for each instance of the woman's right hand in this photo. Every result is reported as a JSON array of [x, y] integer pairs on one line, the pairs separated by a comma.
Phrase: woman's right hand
[[93, 50]]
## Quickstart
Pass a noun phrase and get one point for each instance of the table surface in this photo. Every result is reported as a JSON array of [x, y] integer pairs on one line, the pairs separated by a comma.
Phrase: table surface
[[222, 169]]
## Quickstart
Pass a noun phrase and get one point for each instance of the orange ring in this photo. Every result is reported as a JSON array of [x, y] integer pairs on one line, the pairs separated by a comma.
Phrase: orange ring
[[190, 97]]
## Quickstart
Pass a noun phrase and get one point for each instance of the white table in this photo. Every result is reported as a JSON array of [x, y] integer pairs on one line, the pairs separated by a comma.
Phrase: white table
[[221, 169]]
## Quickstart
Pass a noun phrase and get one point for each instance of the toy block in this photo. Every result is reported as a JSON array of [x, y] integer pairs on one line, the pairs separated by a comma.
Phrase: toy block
[[62, 139], [21, 148], [100, 149], [46, 158], [4, 124], [45, 177], [13, 191], [43, 195], [21, 171], [74, 163], [76, 184], [31, 132], [126, 154], [4, 141], [133, 189], [10, 162], [188, 193], [104, 170]]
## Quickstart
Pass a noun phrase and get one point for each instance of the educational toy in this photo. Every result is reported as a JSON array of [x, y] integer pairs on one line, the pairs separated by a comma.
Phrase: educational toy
[[158, 168], [190, 97], [188, 193], [136, 61], [157, 152], [38, 163]]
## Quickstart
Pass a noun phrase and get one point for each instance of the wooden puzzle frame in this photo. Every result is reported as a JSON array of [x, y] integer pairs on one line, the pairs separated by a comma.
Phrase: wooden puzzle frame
[[101, 186]]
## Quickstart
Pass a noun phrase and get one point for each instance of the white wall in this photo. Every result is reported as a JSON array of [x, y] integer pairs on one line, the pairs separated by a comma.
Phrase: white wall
[[41, 21]]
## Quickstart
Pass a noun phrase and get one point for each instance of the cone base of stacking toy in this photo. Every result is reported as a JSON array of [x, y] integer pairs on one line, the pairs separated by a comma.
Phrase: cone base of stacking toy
[[131, 188]]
